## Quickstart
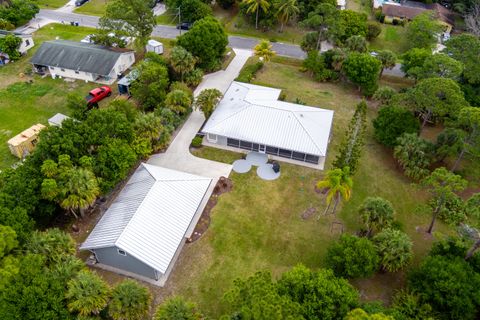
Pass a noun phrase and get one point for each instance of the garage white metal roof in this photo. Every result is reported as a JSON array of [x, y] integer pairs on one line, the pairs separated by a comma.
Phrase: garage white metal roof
[[151, 215], [254, 113]]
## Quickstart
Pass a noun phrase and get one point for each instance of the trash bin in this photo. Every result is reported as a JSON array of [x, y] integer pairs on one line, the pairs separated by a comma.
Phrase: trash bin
[[76, 24], [276, 167], [72, 23]]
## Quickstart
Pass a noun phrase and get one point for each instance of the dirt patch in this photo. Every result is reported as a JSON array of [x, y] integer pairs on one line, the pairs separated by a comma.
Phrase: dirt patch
[[223, 185], [307, 214], [423, 230], [319, 191]]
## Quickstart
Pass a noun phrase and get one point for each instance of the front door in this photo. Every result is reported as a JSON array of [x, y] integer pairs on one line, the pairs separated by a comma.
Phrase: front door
[[261, 148]]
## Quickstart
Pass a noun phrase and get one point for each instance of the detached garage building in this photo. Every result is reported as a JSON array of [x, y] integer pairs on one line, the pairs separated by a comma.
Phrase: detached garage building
[[251, 117], [83, 61], [143, 231]]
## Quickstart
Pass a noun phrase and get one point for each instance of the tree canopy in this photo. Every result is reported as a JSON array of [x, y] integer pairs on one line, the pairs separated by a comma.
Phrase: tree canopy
[[392, 122], [422, 31], [363, 70]]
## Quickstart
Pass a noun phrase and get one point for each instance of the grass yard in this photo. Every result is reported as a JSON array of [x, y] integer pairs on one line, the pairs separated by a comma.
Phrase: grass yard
[[391, 38], [93, 7], [258, 225], [235, 24], [168, 18], [51, 4], [364, 6], [23, 105]]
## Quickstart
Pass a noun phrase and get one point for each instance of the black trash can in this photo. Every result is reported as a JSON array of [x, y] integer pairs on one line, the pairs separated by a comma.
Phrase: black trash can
[[276, 167]]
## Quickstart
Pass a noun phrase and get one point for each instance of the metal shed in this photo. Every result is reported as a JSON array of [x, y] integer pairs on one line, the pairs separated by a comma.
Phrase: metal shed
[[154, 46], [124, 83]]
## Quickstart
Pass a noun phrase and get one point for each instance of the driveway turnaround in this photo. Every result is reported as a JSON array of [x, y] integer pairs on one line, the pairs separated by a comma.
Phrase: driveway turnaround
[[178, 154]]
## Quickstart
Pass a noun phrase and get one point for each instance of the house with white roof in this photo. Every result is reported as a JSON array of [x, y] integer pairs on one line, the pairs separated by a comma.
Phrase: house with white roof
[[144, 229], [250, 117]]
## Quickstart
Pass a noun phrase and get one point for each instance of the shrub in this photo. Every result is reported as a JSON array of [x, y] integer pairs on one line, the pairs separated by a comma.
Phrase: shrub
[[384, 95], [394, 248], [352, 257], [249, 71], [315, 64], [392, 122], [194, 77], [453, 211], [449, 285], [373, 30], [414, 154], [196, 142]]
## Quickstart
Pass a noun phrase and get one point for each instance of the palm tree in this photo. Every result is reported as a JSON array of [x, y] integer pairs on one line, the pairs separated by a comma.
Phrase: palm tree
[[182, 61], [207, 100], [264, 50], [356, 44], [255, 6], [339, 185], [130, 301], [178, 101], [394, 248], [376, 213], [287, 10], [87, 294], [388, 60], [79, 191]]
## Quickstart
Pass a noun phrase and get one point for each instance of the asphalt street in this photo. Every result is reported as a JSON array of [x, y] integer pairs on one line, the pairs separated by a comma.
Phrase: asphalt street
[[170, 32]]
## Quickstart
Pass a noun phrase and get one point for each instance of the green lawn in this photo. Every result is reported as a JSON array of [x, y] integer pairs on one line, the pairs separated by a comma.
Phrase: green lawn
[[51, 4], [391, 38], [168, 18], [22, 104], [258, 225], [93, 7]]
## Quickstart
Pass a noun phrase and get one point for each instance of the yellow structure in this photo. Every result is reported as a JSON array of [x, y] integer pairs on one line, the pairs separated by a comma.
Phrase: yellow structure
[[23, 143]]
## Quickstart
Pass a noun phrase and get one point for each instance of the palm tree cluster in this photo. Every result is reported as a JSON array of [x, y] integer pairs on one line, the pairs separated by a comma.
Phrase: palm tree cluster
[[285, 10]]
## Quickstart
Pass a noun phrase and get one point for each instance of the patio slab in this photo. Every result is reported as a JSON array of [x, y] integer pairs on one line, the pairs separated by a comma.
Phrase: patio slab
[[256, 158], [241, 166], [266, 172]]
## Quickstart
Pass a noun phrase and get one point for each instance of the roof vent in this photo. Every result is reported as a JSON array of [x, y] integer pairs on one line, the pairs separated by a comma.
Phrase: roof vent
[[231, 99], [301, 115]]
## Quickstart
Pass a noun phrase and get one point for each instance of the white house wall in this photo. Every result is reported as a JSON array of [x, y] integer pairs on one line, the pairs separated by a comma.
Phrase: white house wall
[[27, 44], [67, 73], [125, 61]]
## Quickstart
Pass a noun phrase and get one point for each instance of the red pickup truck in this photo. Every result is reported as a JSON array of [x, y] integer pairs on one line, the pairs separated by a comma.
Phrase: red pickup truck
[[98, 94]]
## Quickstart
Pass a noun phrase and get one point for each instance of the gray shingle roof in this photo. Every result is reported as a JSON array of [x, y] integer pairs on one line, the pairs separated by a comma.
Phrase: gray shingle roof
[[77, 56]]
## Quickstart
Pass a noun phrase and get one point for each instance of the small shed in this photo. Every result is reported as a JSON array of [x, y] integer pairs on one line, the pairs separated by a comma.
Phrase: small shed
[[23, 143], [57, 120], [155, 46], [124, 83]]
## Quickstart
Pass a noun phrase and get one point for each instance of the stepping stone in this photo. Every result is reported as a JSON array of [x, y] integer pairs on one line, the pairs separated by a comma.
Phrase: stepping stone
[[256, 158], [266, 172], [241, 166]]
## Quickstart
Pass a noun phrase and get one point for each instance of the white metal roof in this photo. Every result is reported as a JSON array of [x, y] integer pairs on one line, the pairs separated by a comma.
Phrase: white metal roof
[[150, 216], [57, 119], [254, 113]]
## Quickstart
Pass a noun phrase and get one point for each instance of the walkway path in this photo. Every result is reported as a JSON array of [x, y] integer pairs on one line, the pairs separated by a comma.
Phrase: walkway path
[[178, 155]]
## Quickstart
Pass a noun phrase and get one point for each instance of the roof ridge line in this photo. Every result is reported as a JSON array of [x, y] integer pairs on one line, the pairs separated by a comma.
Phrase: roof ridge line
[[309, 136]]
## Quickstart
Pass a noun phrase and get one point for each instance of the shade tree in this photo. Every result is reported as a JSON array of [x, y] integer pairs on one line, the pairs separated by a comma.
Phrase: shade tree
[[441, 184], [442, 66], [469, 122], [324, 22], [392, 122], [352, 257], [207, 41], [356, 44], [363, 70], [150, 87], [422, 31], [466, 49], [388, 60], [413, 61]]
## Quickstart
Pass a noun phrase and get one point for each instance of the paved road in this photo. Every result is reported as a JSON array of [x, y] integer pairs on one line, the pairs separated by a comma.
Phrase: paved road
[[169, 32]]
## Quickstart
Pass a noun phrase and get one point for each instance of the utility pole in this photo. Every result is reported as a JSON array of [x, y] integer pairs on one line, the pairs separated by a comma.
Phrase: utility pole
[[179, 19]]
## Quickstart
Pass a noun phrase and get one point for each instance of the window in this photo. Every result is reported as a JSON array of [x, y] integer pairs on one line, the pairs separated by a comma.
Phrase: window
[[285, 153], [121, 252], [298, 156], [212, 137], [272, 150], [255, 147], [233, 143], [246, 145], [312, 159]]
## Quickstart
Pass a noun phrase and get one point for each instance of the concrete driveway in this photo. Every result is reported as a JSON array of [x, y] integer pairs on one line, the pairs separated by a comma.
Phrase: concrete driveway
[[178, 154]]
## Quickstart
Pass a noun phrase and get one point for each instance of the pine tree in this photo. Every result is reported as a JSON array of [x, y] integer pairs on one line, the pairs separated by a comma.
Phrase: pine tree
[[351, 147]]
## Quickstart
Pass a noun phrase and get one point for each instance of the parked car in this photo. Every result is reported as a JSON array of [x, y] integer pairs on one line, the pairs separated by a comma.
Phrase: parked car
[[98, 94], [184, 26], [78, 3]]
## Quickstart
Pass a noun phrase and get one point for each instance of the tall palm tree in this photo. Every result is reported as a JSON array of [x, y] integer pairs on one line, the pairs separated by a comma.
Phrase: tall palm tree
[[264, 50], [339, 185], [130, 301], [87, 294], [287, 10], [255, 6], [80, 191]]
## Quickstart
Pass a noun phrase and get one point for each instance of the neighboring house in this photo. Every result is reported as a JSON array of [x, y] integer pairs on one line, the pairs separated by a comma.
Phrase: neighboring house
[[251, 117], [143, 231], [407, 10], [27, 40], [83, 61], [341, 4], [23, 143]]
